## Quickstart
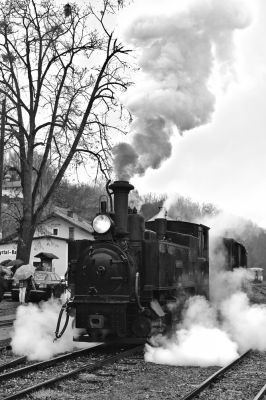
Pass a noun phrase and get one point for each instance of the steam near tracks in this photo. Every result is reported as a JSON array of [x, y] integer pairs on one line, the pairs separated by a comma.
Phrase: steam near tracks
[[243, 378], [98, 374]]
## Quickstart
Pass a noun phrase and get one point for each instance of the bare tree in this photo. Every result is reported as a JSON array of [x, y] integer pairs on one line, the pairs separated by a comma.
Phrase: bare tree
[[2, 145], [60, 71]]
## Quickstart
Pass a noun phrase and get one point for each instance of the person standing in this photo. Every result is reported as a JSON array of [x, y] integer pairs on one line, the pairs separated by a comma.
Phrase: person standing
[[23, 284], [3, 283], [30, 286]]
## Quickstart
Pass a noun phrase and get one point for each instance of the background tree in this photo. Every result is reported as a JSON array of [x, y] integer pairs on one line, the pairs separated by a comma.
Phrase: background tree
[[59, 72], [83, 199], [12, 203]]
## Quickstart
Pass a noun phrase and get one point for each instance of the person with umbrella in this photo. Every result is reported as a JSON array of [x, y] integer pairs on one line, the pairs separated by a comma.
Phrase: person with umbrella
[[24, 275], [5, 262], [3, 282], [15, 264], [6, 280], [3, 274]]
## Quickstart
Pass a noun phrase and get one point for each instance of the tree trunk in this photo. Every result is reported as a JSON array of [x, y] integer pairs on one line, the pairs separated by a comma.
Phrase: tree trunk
[[28, 224], [25, 240], [2, 143]]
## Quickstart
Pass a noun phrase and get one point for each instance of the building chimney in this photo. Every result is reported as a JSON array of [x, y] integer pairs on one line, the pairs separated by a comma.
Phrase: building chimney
[[70, 213], [121, 190]]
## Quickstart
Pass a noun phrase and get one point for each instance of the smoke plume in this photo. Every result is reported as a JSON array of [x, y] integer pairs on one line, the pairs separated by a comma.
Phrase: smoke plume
[[179, 43], [33, 334]]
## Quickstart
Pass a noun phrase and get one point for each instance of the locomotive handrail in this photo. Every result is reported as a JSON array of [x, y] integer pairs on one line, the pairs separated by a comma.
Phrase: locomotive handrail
[[117, 262], [109, 194], [63, 308], [137, 292]]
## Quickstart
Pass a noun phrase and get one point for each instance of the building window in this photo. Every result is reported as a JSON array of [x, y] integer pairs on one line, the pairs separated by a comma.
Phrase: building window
[[55, 231], [71, 233]]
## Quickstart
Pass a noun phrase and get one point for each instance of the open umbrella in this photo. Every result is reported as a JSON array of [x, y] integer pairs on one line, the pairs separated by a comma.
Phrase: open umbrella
[[24, 272], [5, 270], [17, 262], [2, 270], [5, 262]]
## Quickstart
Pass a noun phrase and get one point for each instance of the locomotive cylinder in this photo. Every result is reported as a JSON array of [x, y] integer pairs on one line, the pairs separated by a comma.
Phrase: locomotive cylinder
[[121, 190]]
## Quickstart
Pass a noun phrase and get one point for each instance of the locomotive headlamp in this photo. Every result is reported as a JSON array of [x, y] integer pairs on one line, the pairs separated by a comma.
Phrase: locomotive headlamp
[[101, 223]]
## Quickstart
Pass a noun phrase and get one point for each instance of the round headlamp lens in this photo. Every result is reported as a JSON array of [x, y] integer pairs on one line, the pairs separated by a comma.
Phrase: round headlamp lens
[[101, 223]]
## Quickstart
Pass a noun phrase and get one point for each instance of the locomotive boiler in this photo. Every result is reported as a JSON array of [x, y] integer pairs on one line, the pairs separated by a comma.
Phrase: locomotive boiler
[[133, 279]]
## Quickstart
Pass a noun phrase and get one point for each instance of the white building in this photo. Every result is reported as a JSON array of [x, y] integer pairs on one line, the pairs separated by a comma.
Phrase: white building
[[11, 189], [52, 236]]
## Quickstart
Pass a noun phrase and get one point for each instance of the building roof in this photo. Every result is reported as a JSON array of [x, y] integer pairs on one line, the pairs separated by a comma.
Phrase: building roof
[[73, 220], [14, 238], [57, 213], [50, 256]]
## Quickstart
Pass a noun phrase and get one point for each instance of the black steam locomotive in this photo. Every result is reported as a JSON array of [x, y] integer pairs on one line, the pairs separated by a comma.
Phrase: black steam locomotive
[[126, 284]]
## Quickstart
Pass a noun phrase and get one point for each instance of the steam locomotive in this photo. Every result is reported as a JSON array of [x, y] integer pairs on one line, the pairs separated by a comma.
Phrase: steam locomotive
[[133, 279]]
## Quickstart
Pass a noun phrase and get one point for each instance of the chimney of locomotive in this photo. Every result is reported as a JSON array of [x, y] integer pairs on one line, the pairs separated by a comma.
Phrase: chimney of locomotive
[[121, 190]]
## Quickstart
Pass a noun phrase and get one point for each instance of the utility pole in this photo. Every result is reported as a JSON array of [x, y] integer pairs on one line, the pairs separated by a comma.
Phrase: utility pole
[[2, 142]]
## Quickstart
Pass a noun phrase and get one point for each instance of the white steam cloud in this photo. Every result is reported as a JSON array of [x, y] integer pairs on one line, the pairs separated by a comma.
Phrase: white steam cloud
[[179, 44], [212, 335], [216, 332], [198, 340], [245, 322], [222, 282], [33, 334]]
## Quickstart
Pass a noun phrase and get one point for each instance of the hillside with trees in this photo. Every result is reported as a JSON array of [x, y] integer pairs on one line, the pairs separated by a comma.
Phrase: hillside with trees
[[82, 199]]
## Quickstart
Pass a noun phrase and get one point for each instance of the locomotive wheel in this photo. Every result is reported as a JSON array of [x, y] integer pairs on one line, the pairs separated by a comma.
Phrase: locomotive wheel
[[141, 327]]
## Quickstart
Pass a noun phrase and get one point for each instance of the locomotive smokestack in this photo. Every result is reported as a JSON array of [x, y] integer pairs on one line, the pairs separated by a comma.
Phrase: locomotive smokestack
[[121, 190]]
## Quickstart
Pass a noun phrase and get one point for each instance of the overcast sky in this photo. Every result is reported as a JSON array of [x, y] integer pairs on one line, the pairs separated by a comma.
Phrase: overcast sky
[[224, 161]]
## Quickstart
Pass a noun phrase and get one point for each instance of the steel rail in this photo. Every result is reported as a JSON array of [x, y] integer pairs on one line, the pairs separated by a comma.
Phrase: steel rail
[[11, 310], [212, 378], [260, 395], [12, 363], [6, 322], [88, 367], [48, 363], [7, 311]]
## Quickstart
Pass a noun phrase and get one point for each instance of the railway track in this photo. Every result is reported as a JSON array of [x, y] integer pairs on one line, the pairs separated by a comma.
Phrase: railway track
[[7, 322], [12, 363], [261, 394], [216, 386], [5, 345], [58, 369]]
